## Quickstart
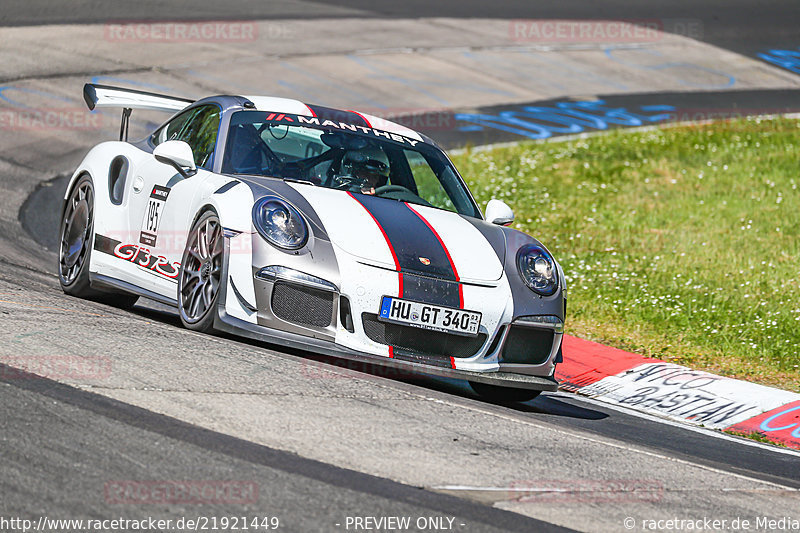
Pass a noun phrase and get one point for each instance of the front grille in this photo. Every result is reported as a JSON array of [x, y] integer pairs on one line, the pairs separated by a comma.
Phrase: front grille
[[421, 341], [302, 305], [527, 345]]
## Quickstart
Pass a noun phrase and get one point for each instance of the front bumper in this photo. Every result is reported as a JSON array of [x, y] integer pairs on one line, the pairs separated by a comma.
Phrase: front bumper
[[236, 326], [363, 339]]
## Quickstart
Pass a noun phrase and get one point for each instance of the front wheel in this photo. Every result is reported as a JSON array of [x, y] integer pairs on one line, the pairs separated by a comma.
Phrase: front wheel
[[201, 270], [496, 393]]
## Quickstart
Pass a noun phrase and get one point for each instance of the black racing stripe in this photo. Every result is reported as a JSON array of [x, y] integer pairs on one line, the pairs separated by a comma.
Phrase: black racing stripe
[[337, 115], [430, 290], [105, 244], [410, 237], [414, 244]]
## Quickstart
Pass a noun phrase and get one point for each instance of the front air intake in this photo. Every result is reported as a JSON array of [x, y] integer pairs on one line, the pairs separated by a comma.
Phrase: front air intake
[[421, 341], [527, 345], [302, 305]]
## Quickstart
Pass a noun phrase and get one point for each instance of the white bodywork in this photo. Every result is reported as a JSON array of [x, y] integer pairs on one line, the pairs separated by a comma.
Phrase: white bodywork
[[364, 258]]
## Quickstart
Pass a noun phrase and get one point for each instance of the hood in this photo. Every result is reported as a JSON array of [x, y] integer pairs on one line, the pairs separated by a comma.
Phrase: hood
[[408, 237]]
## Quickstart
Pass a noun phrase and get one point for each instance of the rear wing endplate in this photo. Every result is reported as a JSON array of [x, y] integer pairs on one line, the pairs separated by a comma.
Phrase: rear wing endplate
[[102, 96]]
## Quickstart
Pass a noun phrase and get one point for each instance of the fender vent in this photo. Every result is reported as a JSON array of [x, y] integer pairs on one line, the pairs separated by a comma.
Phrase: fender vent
[[302, 305], [116, 179]]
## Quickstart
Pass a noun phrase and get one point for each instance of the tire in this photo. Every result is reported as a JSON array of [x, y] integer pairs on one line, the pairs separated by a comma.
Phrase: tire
[[75, 248], [496, 393], [201, 269]]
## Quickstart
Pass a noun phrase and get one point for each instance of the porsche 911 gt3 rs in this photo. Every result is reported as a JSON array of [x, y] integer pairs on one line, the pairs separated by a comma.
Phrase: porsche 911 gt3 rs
[[315, 228]]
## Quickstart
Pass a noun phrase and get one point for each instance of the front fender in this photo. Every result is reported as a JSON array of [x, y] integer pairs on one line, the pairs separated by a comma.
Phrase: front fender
[[231, 199], [233, 202], [526, 301]]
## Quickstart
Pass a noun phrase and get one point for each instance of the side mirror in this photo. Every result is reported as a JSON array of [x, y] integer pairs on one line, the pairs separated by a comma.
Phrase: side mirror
[[177, 154], [498, 212]]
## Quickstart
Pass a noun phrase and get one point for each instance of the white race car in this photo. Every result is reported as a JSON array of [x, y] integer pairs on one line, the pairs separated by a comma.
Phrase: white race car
[[320, 229]]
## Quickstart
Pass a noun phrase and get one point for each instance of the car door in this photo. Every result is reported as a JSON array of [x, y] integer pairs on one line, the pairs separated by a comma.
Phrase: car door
[[161, 193]]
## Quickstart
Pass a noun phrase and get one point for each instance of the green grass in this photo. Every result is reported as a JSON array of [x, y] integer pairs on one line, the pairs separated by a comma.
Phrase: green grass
[[679, 243], [754, 435]]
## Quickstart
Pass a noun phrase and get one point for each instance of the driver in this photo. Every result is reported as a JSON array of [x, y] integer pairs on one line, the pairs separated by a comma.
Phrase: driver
[[368, 168]]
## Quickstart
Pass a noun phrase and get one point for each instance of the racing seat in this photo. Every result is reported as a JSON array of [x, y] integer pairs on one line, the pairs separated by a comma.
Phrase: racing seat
[[246, 152]]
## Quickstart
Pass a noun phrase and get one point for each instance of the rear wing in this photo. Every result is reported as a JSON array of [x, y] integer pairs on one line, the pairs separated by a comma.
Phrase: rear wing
[[102, 96]]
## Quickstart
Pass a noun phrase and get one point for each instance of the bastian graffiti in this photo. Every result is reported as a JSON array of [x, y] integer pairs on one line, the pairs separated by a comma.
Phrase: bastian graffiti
[[681, 393], [564, 118]]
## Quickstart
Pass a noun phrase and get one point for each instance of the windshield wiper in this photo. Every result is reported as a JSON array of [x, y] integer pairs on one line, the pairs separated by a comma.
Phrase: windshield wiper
[[297, 180]]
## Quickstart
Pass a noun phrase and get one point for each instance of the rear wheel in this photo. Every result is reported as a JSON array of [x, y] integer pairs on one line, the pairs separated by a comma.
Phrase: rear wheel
[[496, 393], [201, 270], [77, 233]]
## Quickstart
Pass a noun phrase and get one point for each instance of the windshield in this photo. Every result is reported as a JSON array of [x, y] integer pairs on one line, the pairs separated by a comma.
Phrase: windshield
[[344, 157]]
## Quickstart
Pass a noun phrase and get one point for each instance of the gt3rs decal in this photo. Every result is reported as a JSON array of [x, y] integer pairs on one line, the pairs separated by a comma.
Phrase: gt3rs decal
[[152, 216], [411, 239], [138, 255]]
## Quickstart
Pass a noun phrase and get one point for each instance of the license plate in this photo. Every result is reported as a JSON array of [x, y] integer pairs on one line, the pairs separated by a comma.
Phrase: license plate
[[427, 316]]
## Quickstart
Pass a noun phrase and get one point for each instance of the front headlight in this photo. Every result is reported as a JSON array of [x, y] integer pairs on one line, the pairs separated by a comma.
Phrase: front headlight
[[538, 269], [280, 223]]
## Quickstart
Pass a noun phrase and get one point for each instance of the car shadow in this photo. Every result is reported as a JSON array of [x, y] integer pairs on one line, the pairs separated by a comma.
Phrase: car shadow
[[545, 404], [167, 315]]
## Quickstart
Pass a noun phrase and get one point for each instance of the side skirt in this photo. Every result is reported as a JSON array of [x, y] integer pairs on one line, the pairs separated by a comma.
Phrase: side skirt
[[101, 281]]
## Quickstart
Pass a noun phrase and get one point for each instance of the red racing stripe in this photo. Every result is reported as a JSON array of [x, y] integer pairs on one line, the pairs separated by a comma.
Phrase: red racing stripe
[[446, 252], [388, 243], [360, 115]]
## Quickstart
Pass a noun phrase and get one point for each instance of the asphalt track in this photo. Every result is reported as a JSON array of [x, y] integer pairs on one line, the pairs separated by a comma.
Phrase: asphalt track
[[131, 443], [742, 25], [63, 442]]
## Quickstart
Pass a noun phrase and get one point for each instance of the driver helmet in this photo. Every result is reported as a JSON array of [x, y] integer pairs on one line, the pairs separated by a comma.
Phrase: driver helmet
[[369, 166]]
